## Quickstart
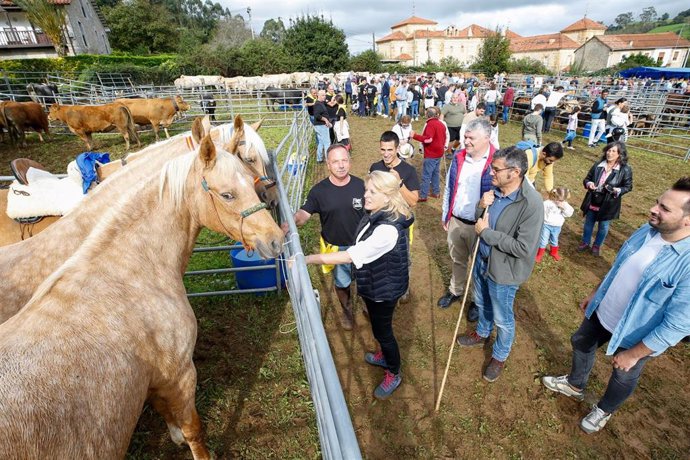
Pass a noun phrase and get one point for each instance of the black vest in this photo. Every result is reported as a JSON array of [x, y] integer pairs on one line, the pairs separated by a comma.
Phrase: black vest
[[386, 278]]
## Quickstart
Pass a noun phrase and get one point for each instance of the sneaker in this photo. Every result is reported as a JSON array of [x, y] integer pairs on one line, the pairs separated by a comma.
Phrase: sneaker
[[570, 147], [447, 299], [591, 146], [561, 385], [471, 340], [493, 370], [390, 383], [422, 200], [596, 250], [376, 359], [582, 247], [595, 420]]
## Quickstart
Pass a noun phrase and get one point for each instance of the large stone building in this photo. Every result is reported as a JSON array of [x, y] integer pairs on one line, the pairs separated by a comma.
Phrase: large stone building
[[668, 49], [86, 30]]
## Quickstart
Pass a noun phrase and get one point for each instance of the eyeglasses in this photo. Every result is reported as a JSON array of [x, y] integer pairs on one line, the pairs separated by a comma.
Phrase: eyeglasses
[[498, 170]]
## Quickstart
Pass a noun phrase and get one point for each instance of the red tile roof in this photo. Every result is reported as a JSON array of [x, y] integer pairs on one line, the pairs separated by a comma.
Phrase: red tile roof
[[397, 35], [414, 20], [511, 34], [542, 43], [404, 57], [428, 34], [584, 24], [643, 41]]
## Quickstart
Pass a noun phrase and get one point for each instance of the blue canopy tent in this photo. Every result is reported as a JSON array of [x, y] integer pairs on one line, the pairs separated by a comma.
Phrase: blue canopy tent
[[656, 73]]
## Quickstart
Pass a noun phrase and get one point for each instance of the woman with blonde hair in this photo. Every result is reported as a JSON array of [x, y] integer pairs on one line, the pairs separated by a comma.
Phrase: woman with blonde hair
[[380, 256]]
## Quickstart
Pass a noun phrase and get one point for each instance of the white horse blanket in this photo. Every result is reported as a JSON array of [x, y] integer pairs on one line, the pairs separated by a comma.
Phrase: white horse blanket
[[46, 194]]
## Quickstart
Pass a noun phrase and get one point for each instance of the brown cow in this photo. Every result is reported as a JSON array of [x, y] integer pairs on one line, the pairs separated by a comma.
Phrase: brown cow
[[155, 112], [19, 116], [83, 120]]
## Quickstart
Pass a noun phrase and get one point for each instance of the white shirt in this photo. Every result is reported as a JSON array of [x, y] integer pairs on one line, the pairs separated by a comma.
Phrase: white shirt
[[539, 99], [555, 216], [554, 98], [469, 187], [382, 240], [403, 133], [626, 282], [491, 96]]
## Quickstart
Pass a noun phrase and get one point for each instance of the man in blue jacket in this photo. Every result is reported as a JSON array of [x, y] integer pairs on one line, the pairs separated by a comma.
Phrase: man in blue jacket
[[598, 126], [641, 308]]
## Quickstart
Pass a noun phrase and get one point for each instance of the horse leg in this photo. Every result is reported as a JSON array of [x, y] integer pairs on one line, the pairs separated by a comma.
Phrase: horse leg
[[175, 402]]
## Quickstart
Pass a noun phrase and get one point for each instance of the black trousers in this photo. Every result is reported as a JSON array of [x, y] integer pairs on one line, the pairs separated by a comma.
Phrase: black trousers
[[381, 318]]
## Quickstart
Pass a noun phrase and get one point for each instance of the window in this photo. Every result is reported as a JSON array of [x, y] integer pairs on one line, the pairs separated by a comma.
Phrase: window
[[83, 36], [675, 55], [660, 58]]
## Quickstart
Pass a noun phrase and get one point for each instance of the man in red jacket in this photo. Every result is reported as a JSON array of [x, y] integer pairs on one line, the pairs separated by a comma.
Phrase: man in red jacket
[[508, 98], [434, 140]]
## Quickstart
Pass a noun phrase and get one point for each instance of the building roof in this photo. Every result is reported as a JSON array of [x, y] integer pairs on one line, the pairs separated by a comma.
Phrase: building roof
[[474, 31], [404, 57], [584, 24], [547, 42], [414, 20], [511, 34], [428, 34], [643, 41], [397, 35]]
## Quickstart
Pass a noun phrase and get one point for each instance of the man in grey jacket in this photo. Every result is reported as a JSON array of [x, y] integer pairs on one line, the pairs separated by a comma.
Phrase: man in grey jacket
[[509, 234]]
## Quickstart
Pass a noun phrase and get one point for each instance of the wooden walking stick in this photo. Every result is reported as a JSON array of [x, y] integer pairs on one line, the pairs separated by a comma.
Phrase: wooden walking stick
[[457, 325]]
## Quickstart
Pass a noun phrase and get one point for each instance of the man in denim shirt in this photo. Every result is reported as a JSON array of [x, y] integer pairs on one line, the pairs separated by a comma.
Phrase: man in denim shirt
[[641, 308]]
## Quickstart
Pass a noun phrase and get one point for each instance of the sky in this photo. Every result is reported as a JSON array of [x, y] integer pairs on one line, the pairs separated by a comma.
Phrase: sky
[[360, 18]]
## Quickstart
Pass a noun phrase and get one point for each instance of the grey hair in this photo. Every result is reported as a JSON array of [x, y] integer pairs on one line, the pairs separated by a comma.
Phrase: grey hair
[[479, 124], [514, 158]]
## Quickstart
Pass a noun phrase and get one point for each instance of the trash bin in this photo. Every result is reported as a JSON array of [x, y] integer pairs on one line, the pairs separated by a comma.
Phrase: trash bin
[[586, 130]]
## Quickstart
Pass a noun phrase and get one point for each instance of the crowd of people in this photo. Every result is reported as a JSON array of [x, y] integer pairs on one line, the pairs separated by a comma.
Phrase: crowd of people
[[498, 227]]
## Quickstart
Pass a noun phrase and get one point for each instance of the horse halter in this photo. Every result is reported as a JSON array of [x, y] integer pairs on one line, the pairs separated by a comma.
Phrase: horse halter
[[258, 177], [243, 214]]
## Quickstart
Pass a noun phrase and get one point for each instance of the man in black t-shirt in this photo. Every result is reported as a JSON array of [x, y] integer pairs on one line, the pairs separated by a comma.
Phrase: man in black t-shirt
[[370, 90], [310, 99], [322, 123], [339, 201]]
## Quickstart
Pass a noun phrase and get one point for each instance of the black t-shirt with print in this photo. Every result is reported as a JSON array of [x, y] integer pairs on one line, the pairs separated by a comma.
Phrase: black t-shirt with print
[[340, 209], [407, 173]]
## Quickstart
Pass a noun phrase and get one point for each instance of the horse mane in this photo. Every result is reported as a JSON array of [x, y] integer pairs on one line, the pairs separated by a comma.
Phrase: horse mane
[[175, 172], [252, 139]]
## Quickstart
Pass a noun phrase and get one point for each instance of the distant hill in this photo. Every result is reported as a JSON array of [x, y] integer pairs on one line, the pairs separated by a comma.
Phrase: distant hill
[[673, 28]]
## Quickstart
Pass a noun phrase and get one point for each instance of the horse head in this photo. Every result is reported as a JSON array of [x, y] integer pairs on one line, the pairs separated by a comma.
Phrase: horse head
[[220, 196], [249, 147]]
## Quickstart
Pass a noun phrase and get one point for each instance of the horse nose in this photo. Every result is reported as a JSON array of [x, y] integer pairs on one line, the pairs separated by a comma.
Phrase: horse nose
[[276, 247]]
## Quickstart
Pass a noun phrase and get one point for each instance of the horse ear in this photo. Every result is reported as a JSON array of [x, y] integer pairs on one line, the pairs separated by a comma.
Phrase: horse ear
[[239, 122], [206, 122], [207, 152], [255, 126], [197, 130]]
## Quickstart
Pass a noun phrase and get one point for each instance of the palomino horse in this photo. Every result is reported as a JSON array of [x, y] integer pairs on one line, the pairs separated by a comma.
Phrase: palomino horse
[[240, 137], [23, 266], [83, 355]]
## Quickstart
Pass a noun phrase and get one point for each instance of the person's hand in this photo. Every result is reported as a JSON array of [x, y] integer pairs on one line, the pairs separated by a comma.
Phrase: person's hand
[[625, 360], [591, 186], [482, 224], [616, 191], [445, 226], [585, 302], [412, 134], [285, 227], [487, 199]]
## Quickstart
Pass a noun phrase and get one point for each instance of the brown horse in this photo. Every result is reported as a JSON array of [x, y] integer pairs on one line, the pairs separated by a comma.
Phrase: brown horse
[[252, 152], [83, 355]]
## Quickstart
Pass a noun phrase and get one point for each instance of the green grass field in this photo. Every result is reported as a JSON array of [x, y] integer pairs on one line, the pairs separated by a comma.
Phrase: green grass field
[[676, 28]]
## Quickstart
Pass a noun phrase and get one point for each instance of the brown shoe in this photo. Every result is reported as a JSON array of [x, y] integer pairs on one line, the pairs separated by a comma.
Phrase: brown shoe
[[493, 370], [471, 340]]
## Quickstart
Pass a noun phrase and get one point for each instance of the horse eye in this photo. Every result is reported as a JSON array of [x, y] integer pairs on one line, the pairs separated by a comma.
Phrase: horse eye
[[250, 160], [228, 196]]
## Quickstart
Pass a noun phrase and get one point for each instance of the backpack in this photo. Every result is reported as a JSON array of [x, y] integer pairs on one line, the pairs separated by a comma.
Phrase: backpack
[[428, 92], [524, 145]]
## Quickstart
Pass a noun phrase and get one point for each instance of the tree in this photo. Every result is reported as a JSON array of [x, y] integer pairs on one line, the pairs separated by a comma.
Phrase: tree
[[648, 15], [624, 20], [274, 30], [366, 61], [141, 27], [494, 54], [262, 56], [664, 17], [636, 60], [449, 64], [316, 45], [231, 32], [528, 66], [49, 18]]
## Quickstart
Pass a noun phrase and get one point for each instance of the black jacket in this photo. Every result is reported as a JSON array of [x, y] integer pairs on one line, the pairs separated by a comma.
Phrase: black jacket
[[610, 207]]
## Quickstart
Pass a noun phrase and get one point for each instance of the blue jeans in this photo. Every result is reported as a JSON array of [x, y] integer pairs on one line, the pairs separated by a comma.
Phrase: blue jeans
[[490, 108], [495, 303], [402, 109], [323, 141], [506, 110], [602, 230], [585, 341], [384, 101], [549, 234], [414, 109], [430, 177]]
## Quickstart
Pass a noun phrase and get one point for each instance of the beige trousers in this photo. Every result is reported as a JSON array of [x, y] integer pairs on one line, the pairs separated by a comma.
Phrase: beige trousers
[[461, 239]]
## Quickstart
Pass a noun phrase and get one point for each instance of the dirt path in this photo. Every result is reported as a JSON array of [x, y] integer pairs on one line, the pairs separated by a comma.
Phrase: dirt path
[[514, 417]]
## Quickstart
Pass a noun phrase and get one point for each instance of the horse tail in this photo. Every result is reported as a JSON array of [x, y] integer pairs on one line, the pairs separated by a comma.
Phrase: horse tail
[[131, 128]]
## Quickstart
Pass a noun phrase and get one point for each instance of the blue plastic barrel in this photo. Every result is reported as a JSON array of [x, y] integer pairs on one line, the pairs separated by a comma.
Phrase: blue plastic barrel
[[586, 129], [254, 279]]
